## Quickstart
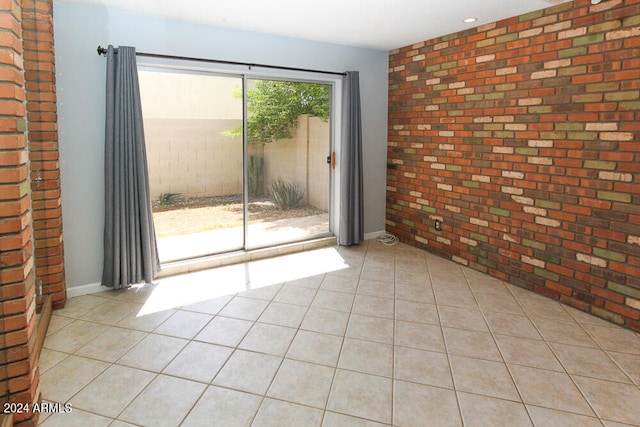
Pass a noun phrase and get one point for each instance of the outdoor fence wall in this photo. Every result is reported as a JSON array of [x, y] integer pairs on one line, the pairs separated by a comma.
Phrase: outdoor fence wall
[[302, 159], [193, 158]]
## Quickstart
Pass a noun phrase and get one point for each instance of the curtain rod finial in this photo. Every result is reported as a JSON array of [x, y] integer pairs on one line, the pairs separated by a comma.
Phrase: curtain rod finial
[[102, 50]]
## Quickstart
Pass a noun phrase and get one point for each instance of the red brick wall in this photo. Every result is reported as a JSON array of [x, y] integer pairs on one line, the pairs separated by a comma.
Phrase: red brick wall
[[39, 65], [30, 228], [522, 136], [18, 363]]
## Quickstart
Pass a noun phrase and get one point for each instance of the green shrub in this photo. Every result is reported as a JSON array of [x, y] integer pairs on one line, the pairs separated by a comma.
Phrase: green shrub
[[286, 195], [256, 165], [167, 198]]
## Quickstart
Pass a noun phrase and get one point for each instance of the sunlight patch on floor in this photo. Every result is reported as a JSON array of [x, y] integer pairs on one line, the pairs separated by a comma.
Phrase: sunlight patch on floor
[[176, 291]]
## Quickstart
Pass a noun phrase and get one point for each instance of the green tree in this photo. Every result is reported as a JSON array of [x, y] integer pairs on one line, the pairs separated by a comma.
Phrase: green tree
[[274, 107]]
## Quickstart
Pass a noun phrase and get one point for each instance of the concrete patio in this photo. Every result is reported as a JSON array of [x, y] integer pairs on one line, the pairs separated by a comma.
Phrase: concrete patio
[[262, 234]]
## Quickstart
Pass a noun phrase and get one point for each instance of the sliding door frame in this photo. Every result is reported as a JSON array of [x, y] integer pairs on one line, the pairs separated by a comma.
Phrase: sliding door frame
[[248, 73]]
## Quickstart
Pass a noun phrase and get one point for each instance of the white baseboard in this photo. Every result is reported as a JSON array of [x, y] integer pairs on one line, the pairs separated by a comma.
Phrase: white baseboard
[[373, 235], [91, 288]]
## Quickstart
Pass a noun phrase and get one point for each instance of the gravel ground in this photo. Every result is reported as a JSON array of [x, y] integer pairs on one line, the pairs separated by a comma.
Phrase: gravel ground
[[193, 215]]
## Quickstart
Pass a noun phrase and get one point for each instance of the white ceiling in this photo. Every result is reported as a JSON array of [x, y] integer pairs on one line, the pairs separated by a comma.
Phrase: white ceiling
[[375, 24]]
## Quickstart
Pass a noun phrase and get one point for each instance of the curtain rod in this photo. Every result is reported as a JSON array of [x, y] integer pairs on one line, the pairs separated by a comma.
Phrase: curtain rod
[[103, 51]]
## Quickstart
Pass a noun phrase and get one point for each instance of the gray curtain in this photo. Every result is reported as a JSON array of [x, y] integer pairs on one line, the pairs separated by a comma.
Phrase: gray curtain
[[130, 252], [351, 224]]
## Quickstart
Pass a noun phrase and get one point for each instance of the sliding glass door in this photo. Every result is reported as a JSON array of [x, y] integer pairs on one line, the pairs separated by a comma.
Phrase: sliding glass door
[[235, 163], [288, 135], [195, 166]]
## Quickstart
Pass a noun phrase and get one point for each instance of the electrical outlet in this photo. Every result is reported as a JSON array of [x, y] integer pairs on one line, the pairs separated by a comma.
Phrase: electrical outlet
[[438, 225]]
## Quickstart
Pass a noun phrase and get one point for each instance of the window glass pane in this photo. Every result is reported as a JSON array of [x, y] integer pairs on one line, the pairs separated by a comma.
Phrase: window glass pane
[[289, 179], [193, 132]]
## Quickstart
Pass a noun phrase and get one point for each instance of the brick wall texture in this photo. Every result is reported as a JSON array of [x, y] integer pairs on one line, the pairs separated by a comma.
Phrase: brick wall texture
[[18, 364], [521, 136], [42, 127], [30, 228]]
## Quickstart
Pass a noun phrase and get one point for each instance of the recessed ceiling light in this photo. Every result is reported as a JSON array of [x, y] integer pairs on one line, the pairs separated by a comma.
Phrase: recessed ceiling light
[[595, 1], [469, 20]]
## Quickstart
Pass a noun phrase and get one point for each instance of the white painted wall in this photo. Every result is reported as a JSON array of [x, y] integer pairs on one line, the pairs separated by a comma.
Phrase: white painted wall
[[80, 75]]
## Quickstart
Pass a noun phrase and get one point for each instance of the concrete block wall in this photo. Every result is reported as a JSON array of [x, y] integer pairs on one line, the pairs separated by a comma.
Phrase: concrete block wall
[[193, 158], [302, 160]]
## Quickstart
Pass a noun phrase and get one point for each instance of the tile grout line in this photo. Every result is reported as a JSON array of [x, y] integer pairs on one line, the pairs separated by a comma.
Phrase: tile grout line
[[284, 356], [344, 336], [235, 350], [446, 348], [393, 348], [550, 347], [521, 304], [609, 357], [192, 339], [157, 374], [110, 364], [495, 342]]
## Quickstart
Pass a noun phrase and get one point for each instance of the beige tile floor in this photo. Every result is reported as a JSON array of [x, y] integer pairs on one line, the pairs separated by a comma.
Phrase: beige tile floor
[[364, 336]]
